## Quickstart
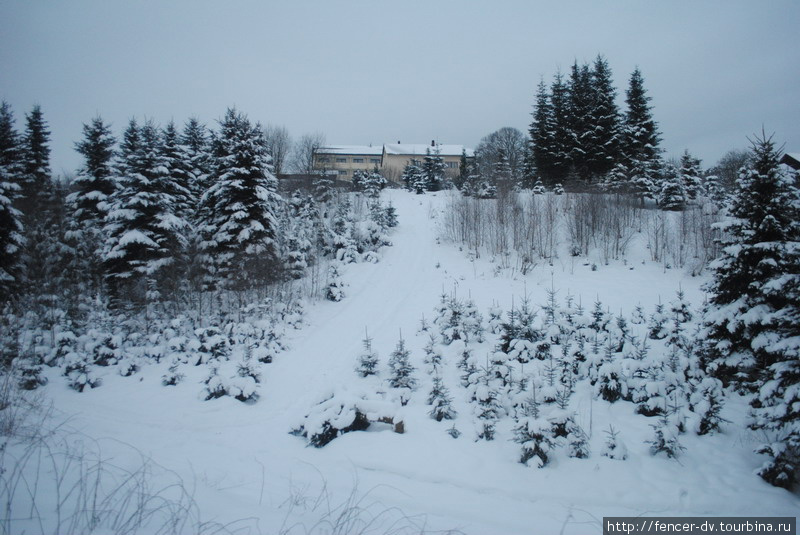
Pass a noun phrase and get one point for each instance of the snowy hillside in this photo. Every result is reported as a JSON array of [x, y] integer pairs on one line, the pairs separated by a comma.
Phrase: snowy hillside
[[242, 464]]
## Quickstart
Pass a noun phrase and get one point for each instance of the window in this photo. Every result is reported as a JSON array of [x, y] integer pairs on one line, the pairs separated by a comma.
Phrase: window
[[323, 159], [358, 160], [341, 160], [342, 171], [375, 160], [452, 165]]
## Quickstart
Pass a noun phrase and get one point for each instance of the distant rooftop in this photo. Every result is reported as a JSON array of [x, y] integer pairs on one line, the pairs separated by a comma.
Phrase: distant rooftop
[[792, 159], [403, 149], [366, 150], [407, 149]]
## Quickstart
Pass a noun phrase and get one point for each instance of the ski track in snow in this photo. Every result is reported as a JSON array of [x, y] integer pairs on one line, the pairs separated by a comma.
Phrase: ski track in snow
[[220, 446]]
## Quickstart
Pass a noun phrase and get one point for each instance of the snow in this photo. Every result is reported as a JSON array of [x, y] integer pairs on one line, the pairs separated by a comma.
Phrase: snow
[[404, 149], [365, 150], [242, 462]]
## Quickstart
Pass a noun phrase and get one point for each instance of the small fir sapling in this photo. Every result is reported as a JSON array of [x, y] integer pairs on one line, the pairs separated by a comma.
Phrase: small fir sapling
[[534, 434], [173, 376], [368, 359], [440, 401], [657, 326], [488, 407], [400, 368], [79, 373], [495, 322], [334, 290], [213, 345], [28, 370], [424, 326], [637, 316], [453, 432], [614, 447], [665, 438], [433, 355], [706, 403]]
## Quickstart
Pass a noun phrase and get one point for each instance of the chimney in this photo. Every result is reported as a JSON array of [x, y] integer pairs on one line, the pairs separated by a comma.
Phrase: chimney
[[433, 143]]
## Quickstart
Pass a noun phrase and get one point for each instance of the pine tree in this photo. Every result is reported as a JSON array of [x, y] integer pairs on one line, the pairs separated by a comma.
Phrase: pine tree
[[94, 182], [143, 229], [196, 158], [672, 195], [604, 120], [560, 131], [754, 304], [640, 139], [433, 170], [413, 177], [36, 179], [440, 401], [690, 175], [11, 229], [92, 188], [540, 157], [580, 129], [179, 172], [368, 360], [241, 208], [753, 325], [400, 368], [463, 171]]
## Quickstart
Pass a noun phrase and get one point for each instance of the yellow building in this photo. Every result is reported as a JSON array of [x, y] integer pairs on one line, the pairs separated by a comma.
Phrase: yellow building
[[390, 159]]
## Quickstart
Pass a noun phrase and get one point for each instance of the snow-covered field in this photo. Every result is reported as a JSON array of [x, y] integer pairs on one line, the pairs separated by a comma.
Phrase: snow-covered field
[[242, 463]]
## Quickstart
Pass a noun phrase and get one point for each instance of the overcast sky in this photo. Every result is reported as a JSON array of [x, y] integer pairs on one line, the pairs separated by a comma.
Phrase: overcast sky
[[372, 72]]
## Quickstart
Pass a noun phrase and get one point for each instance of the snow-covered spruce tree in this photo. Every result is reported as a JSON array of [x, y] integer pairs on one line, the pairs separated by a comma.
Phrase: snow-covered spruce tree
[[144, 233], [35, 153], [11, 230], [752, 319], [539, 156], [657, 324], [706, 402], [672, 195], [400, 369], [181, 172], [240, 209], [640, 140], [359, 179], [534, 434], [92, 188], [560, 132], [334, 288], [368, 359], [691, 176], [665, 438], [604, 121], [486, 396], [752, 327], [579, 117], [614, 447], [441, 402], [413, 177], [196, 157], [433, 170]]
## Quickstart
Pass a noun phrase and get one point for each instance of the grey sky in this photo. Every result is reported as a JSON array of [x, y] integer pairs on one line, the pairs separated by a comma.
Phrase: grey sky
[[372, 72]]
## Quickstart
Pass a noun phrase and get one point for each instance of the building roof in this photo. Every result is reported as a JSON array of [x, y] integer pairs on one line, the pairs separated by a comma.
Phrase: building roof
[[792, 159], [406, 149], [366, 150]]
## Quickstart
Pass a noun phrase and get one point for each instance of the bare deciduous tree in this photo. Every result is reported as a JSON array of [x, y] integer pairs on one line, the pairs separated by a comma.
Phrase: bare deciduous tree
[[278, 144], [303, 152], [508, 141]]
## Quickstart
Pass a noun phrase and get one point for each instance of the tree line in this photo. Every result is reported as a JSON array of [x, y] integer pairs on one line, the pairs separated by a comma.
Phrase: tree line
[[162, 212]]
